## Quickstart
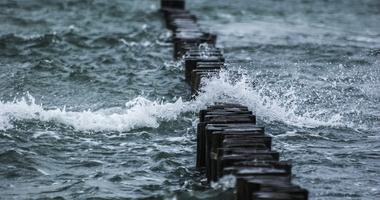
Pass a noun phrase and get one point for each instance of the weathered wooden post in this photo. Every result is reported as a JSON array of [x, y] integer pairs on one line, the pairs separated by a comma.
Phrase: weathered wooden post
[[228, 140]]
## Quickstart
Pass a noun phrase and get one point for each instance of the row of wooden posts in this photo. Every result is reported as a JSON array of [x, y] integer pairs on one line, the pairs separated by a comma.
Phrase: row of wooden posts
[[228, 140]]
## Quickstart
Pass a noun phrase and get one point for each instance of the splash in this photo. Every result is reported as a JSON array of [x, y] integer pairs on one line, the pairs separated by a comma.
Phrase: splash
[[137, 113], [141, 112], [266, 102]]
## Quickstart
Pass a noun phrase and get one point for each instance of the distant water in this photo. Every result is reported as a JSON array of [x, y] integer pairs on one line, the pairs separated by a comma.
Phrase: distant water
[[92, 105]]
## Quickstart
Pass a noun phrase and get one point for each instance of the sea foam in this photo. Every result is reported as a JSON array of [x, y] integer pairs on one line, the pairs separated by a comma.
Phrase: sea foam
[[142, 112]]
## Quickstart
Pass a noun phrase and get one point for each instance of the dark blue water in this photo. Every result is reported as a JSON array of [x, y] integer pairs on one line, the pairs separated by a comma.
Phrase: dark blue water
[[92, 105]]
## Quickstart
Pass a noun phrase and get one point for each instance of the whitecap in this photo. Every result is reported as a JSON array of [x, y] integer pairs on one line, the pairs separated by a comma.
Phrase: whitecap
[[142, 112]]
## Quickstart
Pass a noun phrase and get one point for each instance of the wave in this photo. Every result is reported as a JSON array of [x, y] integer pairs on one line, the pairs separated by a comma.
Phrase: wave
[[272, 32], [267, 104], [137, 113]]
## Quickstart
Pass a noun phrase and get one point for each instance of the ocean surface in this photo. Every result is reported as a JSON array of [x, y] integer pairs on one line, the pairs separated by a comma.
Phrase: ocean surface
[[92, 105]]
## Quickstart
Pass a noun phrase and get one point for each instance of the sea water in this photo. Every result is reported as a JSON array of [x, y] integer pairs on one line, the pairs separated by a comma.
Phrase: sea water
[[93, 105]]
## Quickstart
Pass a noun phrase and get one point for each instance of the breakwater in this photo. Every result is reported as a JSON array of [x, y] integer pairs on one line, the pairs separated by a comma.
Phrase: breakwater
[[93, 105], [228, 140]]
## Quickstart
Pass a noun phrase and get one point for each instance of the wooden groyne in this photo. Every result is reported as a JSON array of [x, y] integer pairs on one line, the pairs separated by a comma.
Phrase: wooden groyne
[[228, 140]]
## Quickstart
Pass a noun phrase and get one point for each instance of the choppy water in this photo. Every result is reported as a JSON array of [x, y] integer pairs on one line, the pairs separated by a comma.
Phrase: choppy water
[[92, 106]]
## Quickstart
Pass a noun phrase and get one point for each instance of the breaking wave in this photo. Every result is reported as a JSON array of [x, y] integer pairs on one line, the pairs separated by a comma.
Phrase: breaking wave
[[141, 112]]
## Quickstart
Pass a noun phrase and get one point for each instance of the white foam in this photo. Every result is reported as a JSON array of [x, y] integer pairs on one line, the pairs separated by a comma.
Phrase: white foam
[[141, 112], [137, 113], [268, 107], [52, 134], [224, 183]]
